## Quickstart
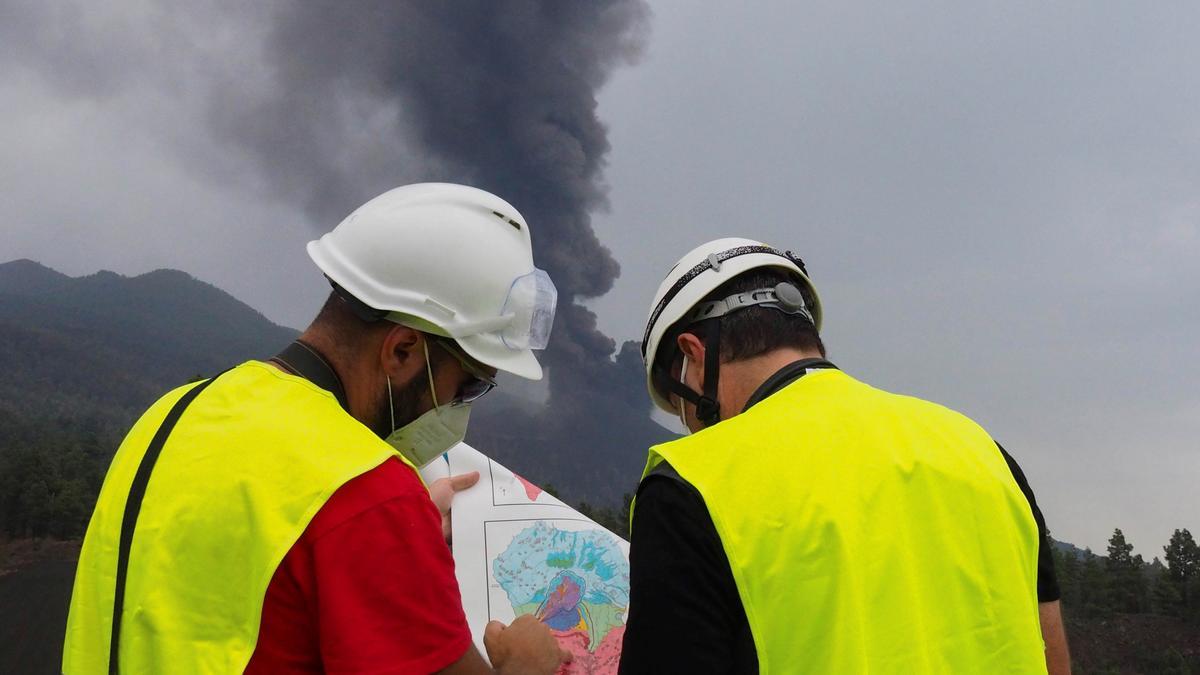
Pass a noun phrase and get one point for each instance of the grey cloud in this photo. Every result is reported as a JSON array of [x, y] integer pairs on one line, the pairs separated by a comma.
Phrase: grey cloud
[[998, 203]]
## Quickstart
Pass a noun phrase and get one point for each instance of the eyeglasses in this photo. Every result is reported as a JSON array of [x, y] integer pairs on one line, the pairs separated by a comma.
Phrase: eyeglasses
[[480, 383]]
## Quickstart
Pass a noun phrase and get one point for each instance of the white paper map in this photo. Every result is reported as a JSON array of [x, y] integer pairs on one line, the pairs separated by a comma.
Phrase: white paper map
[[519, 550]]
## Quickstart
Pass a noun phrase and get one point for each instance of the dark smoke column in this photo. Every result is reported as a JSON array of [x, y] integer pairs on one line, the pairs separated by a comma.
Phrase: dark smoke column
[[506, 91], [500, 94]]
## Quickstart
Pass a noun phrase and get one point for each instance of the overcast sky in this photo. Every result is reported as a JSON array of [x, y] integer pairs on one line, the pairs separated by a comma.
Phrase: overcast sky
[[999, 203]]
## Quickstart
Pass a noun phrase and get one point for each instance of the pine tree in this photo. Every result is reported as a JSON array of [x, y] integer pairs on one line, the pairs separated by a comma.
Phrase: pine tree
[[1067, 565], [1092, 582], [1183, 569], [1164, 594], [1125, 589]]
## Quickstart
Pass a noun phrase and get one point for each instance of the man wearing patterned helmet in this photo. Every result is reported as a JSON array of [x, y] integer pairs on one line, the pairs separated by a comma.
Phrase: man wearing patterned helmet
[[812, 523]]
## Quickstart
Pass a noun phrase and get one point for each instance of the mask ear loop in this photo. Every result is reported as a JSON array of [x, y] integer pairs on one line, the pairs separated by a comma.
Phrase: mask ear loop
[[391, 406], [432, 389], [683, 381], [429, 371]]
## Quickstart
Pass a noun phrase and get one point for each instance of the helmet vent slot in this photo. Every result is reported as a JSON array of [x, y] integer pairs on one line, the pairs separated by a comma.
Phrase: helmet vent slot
[[506, 219]]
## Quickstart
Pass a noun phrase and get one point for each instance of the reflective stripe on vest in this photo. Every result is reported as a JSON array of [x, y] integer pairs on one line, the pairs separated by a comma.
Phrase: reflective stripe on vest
[[244, 471], [869, 532]]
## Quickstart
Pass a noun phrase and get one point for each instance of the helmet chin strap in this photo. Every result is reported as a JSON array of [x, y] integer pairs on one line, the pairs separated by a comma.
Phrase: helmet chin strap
[[708, 410]]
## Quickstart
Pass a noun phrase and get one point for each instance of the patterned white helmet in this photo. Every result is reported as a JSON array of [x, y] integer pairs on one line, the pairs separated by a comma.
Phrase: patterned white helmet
[[703, 270]]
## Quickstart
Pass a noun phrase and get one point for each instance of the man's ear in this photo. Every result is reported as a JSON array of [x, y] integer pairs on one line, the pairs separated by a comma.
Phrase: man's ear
[[401, 353], [693, 348]]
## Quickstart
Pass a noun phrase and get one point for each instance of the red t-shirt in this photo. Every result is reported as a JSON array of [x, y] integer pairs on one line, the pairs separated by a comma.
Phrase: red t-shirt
[[368, 588]]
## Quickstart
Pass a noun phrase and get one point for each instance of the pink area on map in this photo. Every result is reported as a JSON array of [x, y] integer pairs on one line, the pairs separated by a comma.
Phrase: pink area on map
[[603, 661], [608, 652], [530, 489]]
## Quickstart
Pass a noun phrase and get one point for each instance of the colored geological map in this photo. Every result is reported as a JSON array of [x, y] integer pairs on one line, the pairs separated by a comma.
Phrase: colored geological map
[[577, 583]]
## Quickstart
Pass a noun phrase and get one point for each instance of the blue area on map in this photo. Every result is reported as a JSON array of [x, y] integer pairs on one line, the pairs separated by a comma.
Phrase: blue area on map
[[531, 568]]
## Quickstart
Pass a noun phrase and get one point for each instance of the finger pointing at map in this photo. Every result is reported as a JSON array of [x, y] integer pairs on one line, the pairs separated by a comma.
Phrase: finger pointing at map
[[525, 636]]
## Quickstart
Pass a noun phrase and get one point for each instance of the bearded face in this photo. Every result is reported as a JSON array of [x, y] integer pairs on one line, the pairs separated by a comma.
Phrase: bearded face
[[406, 403]]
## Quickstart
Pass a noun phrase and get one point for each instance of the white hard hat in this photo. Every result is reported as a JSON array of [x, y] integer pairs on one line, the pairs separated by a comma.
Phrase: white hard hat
[[700, 272], [447, 259]]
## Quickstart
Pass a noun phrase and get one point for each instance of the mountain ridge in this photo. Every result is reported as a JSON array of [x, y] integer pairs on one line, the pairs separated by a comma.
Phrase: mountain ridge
[[104, 346]]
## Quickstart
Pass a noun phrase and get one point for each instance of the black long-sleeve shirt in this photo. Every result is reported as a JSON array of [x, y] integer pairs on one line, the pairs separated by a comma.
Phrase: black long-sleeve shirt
[[685, 612]]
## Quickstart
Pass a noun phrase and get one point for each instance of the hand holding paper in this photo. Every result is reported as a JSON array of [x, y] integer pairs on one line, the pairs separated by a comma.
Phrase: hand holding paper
[[442, 491]]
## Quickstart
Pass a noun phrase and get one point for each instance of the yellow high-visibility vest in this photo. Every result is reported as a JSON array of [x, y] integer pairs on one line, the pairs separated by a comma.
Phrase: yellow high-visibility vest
[[250, 462], [869, 532]]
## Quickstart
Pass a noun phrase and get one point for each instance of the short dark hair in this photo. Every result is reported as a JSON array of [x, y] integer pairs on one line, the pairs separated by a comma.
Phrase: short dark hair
[[754, 331], [338, 321]]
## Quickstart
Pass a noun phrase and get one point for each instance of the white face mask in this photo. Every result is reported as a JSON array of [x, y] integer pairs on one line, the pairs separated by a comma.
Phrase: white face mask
[[682, 403], [433, 433]]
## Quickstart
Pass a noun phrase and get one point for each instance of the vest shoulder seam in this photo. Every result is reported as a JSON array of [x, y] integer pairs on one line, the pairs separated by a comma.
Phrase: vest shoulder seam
[[289, 378]]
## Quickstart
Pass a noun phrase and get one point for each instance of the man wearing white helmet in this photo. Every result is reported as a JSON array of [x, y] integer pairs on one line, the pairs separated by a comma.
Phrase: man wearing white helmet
[[271, 519], [812, 523]]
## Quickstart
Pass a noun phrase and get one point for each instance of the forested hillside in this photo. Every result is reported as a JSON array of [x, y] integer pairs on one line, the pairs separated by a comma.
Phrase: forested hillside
[[81, 358]]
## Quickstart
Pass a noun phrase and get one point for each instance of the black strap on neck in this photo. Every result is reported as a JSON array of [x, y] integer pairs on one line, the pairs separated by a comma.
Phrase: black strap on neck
[[785, 376], [133, 506], [302, 360], [708, 410]]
